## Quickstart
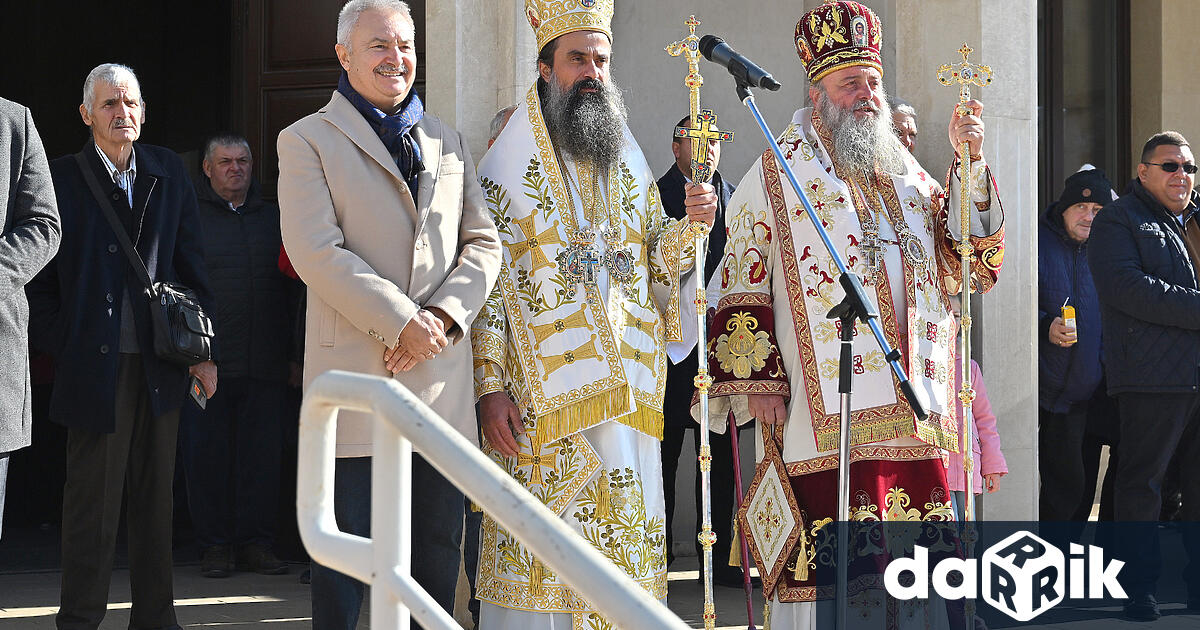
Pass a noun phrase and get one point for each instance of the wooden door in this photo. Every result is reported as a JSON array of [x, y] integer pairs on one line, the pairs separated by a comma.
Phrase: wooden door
[[283, 53]]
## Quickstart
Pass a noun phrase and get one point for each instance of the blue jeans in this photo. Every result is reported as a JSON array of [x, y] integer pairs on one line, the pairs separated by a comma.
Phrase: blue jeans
[[436, 535], [958, 501]]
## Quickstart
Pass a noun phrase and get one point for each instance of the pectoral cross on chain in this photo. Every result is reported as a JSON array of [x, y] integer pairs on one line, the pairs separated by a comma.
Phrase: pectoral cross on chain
[[872, 252], [580, 263]]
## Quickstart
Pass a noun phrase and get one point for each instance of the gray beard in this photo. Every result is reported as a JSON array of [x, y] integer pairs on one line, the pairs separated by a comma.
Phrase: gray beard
[[862, 147], [588, 127]]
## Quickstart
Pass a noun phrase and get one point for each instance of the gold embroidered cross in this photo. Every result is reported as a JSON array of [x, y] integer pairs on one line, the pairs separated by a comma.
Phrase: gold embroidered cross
[[645, 357], [577, 320], [768, 516], [586, 350], [533, 243], [635, 322], [535, 460]]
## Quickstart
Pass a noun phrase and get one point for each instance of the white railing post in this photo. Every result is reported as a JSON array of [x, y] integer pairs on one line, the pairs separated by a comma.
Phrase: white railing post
[[385, 563], [391, 511]]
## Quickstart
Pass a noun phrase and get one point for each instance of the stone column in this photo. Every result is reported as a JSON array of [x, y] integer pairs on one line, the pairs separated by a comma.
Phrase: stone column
[[481, 58], [927, 33], [1162, 94]]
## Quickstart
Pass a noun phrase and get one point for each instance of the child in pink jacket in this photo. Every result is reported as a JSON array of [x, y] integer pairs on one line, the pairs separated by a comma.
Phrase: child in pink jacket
[[989, 464]]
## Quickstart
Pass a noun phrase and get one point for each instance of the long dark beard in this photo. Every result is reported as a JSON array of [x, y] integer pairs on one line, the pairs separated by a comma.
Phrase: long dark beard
[[587, 126], [862, 147]]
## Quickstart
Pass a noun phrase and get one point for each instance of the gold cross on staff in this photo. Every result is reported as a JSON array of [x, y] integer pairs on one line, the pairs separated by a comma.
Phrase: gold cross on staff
[[965, 74], [702, 133], [689, 47]]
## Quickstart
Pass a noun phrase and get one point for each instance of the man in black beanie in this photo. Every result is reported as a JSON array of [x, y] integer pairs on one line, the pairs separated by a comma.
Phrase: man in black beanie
[[1069, 367]]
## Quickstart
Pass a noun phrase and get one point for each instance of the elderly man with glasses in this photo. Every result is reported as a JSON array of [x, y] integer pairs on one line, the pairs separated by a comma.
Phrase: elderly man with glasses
[[1144, 250]]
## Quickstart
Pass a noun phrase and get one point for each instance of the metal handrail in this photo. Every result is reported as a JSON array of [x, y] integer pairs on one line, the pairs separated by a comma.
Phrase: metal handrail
[[384, 560]]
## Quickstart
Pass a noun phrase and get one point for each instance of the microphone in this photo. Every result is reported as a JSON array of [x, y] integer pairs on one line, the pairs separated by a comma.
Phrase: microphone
[[745, 71]]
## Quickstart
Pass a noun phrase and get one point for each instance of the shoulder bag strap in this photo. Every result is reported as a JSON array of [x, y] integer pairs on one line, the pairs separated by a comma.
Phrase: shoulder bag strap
[[114, 222]]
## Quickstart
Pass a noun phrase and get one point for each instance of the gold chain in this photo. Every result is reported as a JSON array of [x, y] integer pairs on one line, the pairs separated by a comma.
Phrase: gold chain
[[591, 197]]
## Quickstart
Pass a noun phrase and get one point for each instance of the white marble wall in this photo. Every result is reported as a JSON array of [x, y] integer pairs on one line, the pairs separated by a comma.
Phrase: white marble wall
[[481, 58]]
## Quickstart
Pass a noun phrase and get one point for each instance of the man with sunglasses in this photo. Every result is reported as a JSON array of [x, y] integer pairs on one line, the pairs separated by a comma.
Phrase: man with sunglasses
[[1144, 252]]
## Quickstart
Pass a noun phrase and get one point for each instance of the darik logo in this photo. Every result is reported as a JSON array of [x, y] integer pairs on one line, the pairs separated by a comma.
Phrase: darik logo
[[1023, 576]]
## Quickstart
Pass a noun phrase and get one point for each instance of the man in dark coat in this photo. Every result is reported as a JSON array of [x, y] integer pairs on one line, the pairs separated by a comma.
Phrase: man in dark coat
[[29, 238], [680, 386], [119, 401], [232, 448], [1144, 253], [1069, 368]]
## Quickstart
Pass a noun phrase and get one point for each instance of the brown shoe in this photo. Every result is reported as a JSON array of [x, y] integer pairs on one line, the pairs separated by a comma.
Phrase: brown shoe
[[216, 562], [260, 560]]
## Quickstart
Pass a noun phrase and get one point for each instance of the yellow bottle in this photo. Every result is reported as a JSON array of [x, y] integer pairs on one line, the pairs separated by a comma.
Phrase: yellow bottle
[[1068, 317]]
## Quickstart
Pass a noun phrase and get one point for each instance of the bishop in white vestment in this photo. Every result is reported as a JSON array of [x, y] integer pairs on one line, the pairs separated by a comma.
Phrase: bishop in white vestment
[[571, 348]]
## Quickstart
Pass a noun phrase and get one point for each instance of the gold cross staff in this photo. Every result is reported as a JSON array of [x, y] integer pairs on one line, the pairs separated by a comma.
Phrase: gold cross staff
[[965, 74], [701, 132]]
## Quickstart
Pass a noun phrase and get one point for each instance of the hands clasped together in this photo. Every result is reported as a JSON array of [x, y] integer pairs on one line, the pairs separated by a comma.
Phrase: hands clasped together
[[422, 339]]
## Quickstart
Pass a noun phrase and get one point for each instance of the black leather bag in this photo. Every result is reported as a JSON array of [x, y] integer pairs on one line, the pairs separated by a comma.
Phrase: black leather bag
[[183, 332]]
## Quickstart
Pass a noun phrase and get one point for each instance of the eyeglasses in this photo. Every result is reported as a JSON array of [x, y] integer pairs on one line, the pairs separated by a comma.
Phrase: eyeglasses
[[1171, 167]]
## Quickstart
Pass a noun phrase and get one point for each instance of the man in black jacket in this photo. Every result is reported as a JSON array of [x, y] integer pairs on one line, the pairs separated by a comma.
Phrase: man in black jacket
[[119, 402], [232, 449], [680, 386], [1144, 252]]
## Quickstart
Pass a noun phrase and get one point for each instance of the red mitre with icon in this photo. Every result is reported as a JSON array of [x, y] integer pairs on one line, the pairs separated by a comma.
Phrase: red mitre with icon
[[836, 35]]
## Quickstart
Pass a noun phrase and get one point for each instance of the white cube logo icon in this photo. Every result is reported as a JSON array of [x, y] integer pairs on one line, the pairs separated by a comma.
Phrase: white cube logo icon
[[1023, 576]]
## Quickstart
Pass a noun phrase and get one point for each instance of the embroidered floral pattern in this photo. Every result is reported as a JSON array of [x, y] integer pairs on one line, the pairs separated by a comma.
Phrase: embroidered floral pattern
[[743, 351]]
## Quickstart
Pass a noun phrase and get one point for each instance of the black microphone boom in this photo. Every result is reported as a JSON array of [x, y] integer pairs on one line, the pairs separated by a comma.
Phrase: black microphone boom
[[745, 71]]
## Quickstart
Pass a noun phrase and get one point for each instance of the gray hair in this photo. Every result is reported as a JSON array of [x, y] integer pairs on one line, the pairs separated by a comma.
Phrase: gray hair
[[109, 74], [904, 107], [353, 9], [225, 140], [499, 120]]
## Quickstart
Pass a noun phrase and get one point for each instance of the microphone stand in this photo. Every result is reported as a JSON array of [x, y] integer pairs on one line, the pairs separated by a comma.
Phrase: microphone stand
[[855, 306]]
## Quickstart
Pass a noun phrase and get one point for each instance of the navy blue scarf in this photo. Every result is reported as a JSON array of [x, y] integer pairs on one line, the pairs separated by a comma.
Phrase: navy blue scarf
[[395, 130]]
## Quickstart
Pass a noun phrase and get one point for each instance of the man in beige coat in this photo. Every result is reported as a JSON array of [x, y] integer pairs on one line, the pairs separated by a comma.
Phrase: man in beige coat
[[384, 220]]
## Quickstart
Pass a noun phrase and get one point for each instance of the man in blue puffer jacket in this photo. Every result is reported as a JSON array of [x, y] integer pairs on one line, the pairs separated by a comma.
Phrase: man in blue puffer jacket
[[1069, 368], [1145, 250]]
